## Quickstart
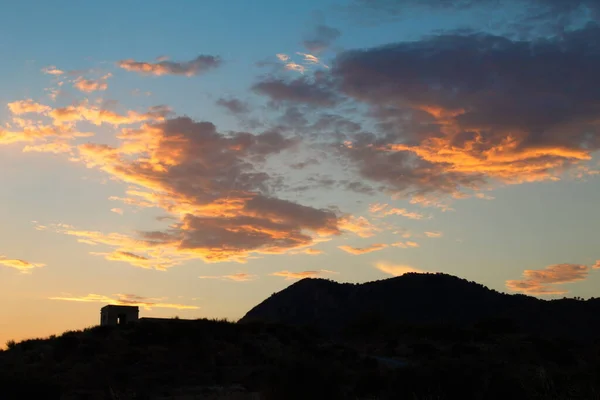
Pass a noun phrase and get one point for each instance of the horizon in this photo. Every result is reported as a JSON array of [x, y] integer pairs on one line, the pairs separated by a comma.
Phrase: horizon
[[191, 161]]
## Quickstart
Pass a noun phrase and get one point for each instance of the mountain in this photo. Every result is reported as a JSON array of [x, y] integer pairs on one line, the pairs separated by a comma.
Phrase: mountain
[[414, 298]]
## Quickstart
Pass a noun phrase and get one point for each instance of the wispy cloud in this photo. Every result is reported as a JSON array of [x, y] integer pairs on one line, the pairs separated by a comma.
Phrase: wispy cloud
[[307, 61], [395, 269], [238, 277], [363, 250], [52, 70], [360, 226], [406, 245], [197, 66], [383, 210], [28, 106], [288, 275], [435, 234], [309, 251], [125, 300], [544, 281], [92, 85], [21, 265]]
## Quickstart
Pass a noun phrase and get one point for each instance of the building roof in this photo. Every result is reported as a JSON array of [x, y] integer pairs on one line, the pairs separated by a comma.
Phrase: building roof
[[120, 307]]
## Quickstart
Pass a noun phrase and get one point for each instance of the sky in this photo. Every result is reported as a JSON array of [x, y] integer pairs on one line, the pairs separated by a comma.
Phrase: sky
[[194, 159]]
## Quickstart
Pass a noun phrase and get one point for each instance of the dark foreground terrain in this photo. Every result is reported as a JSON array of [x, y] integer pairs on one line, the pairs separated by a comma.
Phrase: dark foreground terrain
[[370, 356]]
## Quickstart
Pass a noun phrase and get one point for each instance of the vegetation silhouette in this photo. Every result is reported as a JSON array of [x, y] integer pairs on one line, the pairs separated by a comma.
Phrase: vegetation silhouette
[[454, 340]]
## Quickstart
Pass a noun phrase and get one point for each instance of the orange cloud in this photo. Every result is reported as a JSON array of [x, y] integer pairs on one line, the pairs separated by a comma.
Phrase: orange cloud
[[239, 277], [308, 60], [363, 250], [288, 275], [196, 66], [597, 265], [136, 252], [117, 211], [92, 85], [55, 147], [21, 265], [292, 66], [358, 225], [125, 300], [55, 135], [396, 269], [503, 158], [542, 282], [203, 179], [405, 245], [312, 252], [383, 210], [27, 106], [41, 133], [434, 234], [52, 70], [99, 116]]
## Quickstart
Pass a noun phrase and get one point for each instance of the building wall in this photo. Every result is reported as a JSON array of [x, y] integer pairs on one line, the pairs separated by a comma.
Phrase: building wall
[[115, 315]]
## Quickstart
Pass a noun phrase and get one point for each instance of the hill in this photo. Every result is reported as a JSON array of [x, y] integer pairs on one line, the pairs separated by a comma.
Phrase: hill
[[432, 299]]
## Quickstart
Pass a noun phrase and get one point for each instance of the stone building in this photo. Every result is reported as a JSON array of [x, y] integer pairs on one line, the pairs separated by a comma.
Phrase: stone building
[[118, 315]]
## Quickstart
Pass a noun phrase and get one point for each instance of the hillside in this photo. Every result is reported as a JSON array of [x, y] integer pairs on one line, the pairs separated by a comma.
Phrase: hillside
[[178, 358], [423, 299]]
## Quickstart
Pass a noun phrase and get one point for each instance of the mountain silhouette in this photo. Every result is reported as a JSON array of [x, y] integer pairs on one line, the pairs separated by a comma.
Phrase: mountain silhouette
[[429, 298]]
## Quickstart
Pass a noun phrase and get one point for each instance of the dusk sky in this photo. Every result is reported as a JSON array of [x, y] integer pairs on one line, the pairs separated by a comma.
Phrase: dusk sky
[[192, 158]]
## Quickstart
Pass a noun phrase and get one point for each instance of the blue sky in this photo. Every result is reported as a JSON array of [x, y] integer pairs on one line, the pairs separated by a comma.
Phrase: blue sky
[[125, 203]]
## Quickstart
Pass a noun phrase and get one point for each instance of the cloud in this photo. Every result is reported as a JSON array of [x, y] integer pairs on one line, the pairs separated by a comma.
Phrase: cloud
[[92, 85], [117, 210], [434, 234], [383, 210], [209, 183], [199, 65], [406, 245], [128, 257], [21, 265], [288, 275], [127, 248], [296, 91], [544, 281], [321, 38], [98, 116], [597, 265], [147, 303], [311, 59], [360, 226], [457, 112], [310, 252], [238, 277], [396, 269], [52, 130], [27, 106], [52, 70], [55, 147], [363, 250], [234, 106], [292, 66], [308, 61]]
